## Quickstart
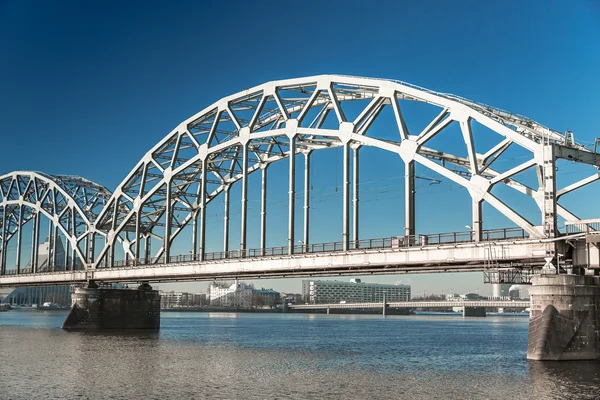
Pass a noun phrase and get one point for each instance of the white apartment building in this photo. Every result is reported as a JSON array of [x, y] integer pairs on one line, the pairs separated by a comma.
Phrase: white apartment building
[[225, 294], [354, 291]]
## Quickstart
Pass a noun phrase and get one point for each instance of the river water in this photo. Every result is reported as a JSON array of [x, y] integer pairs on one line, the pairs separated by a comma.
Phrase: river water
[[284, 356]]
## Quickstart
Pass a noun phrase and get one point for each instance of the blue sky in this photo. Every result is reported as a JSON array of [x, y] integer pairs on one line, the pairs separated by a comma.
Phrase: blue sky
[[87, 88]]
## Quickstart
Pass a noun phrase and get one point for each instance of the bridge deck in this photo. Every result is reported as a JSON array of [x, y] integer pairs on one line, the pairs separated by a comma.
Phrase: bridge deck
[[390, 258]]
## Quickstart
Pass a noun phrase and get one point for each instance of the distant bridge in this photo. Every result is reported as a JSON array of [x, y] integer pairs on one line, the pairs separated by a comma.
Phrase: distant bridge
[[129, 234], [416, 304]]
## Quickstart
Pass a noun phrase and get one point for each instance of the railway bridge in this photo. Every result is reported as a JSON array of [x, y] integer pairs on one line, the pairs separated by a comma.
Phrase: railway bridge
[[152, 227]]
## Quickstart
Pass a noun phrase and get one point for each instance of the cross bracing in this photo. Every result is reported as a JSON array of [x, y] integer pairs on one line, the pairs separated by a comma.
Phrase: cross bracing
[[70, 205], [205, 155]]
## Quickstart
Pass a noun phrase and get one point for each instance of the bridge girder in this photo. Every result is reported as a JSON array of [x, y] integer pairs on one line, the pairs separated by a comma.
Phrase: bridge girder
[[170, 187], [70, 203], [247, 131]]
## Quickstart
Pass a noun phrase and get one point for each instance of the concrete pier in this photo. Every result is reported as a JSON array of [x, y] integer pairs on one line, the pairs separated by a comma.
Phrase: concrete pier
[[564, 318], [474, 312], [96, 309]]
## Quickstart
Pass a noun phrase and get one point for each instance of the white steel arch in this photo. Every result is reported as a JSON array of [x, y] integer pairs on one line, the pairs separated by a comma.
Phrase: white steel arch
[[246, 132], [70, 203]]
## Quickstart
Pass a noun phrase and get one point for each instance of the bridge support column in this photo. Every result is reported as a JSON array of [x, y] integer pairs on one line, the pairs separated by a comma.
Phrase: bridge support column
[[96, 309], [263, 209], [346, 198], [565, 316], [226, 220], [306, 236], [409, 198], [474, 312], [244, 222], [355, 196], [477, 223], [292, 194]]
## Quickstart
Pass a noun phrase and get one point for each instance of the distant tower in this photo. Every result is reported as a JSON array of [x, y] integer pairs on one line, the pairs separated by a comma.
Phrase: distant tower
[[45, 253], [500, 290]]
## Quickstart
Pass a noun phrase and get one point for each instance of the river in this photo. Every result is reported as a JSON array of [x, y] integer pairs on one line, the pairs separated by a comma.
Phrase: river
[[284, 356]]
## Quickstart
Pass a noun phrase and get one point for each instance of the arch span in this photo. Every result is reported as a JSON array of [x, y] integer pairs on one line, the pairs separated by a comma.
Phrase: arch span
[[204, 155], [70, 206]]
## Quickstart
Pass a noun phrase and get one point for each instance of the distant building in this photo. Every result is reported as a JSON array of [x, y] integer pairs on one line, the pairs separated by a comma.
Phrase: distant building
[[291, 298], [182, 299], [265, 297], [226, 294], [463, 297], [500, 291], [59, 295], [354, 291], [241, 295], [514, 292]]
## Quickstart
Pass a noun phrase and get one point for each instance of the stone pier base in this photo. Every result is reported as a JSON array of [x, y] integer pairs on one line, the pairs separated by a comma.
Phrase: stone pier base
[[96, 309], [564, 318], [474, 312]]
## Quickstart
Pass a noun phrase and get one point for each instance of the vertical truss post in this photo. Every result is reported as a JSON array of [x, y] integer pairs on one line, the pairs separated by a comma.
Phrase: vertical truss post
[[54, 245], [168, 218], [195, 233], [306, 236], [92, 248], [74, 233], [226, 219], [263, 209], [355, 195], [202, 251], [33, 224], [346, 197], [409, 198], [147, 240], [4, 244], [66, 255], [86, 250], [292, 194], [36, 240], [549, 182], [19, 239], [477, 220], [244, 226], [138, 238]]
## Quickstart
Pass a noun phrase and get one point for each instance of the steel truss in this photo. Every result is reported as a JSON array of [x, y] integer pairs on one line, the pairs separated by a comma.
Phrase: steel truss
[[70, 203], [170, 187]]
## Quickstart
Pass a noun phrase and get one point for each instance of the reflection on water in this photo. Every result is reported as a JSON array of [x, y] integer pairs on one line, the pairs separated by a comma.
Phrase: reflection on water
[[294, 356], [575, 380]]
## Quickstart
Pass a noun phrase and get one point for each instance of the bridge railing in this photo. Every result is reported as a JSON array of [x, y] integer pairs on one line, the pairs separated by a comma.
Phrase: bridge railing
[[364, 244]]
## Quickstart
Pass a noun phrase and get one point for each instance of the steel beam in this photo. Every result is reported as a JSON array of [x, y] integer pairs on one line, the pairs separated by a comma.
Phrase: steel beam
[[19, 239], [4, 246], [54, 245], [195, 216], [243, 228], [409, 198], [346, 197], [549, 186], [226, 219], [477, 220], [138, 238], [36, 242], [292, 194], [203, 210], [263, 208], [168, 219], [306, 236], [355, 195]]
